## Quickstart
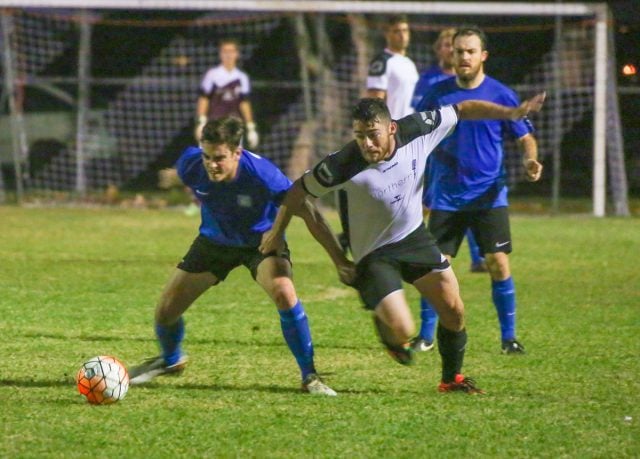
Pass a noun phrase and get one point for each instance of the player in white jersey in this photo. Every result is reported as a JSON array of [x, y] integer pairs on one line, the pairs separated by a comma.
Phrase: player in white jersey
[[382, 171], [224, 91], [392, 75]]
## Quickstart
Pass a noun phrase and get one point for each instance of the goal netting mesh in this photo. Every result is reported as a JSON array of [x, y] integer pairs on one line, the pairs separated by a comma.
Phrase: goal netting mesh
[[143, 70]]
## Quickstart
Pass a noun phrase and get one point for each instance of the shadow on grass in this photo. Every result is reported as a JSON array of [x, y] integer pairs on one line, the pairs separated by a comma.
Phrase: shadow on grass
[[194, 341], [266, 388], [28, 383]]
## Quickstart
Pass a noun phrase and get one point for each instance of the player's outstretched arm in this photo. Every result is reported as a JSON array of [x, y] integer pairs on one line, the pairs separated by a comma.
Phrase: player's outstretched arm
[[482, 110], [293, 201], [321, 232], [296, 203]]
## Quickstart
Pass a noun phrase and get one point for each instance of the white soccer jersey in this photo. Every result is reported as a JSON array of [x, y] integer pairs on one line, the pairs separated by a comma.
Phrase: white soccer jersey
[[397, 75], [385, 198]]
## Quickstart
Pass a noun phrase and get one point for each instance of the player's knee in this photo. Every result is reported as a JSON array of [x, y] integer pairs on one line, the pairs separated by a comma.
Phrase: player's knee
[[498, 264], [283, 294], [452, 317], [403, 329]]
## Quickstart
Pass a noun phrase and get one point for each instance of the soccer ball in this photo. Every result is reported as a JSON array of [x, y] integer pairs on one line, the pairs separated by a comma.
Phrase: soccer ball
[[103, 380]]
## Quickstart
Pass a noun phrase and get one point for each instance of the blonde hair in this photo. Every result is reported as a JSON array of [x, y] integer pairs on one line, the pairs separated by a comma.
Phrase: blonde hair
[[449, 32]]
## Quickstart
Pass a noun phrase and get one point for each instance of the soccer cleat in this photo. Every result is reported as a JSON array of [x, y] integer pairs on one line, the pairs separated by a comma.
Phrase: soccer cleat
[[419, 344], [403, 354], [512, 346], [313, 385], [155, 366], [460, 384], [479, 267]]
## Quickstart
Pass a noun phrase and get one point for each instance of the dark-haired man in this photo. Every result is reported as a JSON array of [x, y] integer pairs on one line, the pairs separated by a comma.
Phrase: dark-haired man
[[382, 172], [239, 193], [392, 74], [467, 177]]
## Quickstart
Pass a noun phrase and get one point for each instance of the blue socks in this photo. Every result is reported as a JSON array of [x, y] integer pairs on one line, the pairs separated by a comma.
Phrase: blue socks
[[474, 249], [170, 338], [504, 298], [429, 319], [296, 332]]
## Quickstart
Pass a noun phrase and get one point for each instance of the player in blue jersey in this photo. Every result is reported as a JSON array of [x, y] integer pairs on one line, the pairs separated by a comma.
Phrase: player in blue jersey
[[382, 172], [467, 181], [239, 193], [440, 71]]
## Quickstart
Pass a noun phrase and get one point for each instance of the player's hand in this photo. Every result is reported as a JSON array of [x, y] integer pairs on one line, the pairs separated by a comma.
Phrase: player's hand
[[533, 169], [530, 105], [347, 272], [252, 135], [168, 178], [271, 242]]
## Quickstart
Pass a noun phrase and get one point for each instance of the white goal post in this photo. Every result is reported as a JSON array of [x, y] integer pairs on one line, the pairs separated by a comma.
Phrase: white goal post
[[597, 12]]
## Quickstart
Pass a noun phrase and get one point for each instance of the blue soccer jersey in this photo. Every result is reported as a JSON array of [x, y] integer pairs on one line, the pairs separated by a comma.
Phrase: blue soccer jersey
[[235, 213], [428, 78], [467, 169]]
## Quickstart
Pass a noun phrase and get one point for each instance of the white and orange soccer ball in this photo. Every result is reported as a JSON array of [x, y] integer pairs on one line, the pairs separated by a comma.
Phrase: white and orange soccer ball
[[103, 380]]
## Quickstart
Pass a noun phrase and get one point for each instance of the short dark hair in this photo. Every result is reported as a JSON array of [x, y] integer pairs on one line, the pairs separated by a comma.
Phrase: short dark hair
[[370, 110], [395, 19], [469, 30], [227, 130]]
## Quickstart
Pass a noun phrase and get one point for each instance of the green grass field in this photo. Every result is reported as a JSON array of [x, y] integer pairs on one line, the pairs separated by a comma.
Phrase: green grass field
[[75, 283]]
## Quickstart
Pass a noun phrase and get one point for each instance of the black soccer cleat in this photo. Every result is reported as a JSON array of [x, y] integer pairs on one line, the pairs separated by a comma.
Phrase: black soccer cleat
[[401, 353], [512, 346], [155, 366]]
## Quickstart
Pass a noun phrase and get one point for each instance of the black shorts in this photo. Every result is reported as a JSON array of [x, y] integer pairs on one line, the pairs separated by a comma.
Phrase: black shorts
[[207, 256], [489, 226], [383, 270]]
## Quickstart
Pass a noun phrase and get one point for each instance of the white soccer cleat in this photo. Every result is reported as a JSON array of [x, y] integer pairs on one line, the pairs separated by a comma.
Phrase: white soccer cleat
[[314, 386], [421, 345]]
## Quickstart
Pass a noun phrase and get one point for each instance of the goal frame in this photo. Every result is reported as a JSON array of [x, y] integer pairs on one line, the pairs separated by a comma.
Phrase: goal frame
[[598, 11]]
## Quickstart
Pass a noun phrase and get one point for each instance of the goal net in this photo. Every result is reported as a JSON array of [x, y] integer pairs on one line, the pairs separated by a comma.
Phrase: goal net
[[96, 99]]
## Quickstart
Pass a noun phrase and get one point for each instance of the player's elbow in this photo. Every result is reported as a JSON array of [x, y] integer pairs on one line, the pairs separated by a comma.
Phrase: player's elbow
[[296, 199]]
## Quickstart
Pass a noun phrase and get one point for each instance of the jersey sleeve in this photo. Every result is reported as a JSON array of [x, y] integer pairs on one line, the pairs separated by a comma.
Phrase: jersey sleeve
[[245, 85], [273, 179], [378, 77], [189, 166], [206, 85], [334, 171], [437, 124]]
